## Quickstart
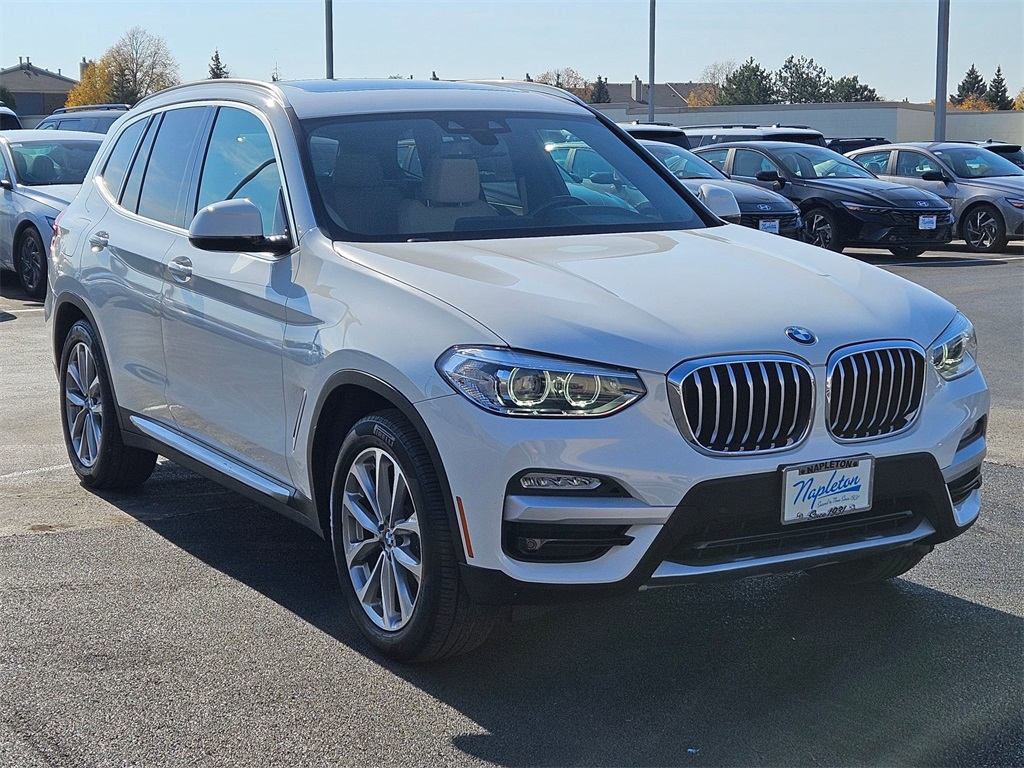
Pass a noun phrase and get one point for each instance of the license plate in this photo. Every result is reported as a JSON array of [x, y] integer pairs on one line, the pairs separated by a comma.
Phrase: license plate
[[769, 225], [826, 489], [926, 222]]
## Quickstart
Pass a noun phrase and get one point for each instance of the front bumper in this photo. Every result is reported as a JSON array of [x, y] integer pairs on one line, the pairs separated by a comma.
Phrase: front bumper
[[681, 516], [899, 229]]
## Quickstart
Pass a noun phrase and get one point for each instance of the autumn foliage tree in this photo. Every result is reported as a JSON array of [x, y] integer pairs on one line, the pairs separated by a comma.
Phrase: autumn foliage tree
[[134, 67], [567, 79]]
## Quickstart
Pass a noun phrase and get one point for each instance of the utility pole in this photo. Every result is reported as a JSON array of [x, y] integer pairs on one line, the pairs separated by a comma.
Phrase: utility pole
[[941, 71], [650, 74], [329, 27]]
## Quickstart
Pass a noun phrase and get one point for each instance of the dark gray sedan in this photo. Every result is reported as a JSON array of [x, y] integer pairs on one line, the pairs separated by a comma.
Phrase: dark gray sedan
[[984, 189]]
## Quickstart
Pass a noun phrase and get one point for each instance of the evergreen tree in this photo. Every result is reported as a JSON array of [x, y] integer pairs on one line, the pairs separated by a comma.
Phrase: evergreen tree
[[750, 83], [973, 84], [433, 75], [599, 93], [801, 81], [851, 89], [217, 69], [996, 94]]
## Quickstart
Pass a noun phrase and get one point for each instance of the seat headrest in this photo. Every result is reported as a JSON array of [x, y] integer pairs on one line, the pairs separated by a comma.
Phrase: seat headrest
[[358, 171], [452, 180], [43, 168]]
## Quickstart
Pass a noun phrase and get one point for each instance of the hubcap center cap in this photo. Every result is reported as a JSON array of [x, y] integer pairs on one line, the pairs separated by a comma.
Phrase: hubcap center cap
[[389, 539]]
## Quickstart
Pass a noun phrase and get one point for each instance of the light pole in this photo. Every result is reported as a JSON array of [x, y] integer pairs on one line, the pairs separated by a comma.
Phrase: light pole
[[329, 27], [941, 71], [650, 74]]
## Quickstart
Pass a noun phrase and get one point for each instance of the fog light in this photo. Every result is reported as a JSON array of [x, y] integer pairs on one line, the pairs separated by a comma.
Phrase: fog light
[[546, 481]]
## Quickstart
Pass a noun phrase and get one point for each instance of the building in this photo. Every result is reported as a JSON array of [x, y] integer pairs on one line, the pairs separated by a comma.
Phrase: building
[[37, 91]]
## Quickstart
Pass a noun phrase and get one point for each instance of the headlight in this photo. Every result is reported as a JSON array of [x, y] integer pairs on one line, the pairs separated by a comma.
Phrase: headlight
[[858, 208], [525, 384], [1015, 202], [955, 352]]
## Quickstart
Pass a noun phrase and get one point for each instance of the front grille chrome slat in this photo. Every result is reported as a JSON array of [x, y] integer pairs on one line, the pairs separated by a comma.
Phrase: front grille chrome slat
[[865, 401], [761, 403]]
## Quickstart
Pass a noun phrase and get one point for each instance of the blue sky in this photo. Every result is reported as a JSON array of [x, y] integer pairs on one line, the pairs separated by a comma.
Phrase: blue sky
[[889, 44]]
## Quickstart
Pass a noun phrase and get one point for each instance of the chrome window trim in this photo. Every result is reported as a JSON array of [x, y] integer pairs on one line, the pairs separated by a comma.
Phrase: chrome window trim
[[679, 374]]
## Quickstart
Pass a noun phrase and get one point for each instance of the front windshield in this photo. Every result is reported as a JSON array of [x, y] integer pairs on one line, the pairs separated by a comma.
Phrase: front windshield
[[977, 163], [684, 164], [812, 162], [42, 163], [472, 175]]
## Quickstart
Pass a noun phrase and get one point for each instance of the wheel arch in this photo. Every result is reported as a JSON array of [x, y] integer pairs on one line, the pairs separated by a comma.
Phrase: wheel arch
[[19, 230], [347, 397], [970, 207]]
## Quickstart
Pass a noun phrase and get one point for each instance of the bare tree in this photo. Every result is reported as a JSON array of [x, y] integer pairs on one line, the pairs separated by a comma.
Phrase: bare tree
[[712, 80], [567, 79], [140, 64]]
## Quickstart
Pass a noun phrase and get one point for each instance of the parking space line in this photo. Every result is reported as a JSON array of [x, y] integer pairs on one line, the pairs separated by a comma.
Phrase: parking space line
[[39, 471]]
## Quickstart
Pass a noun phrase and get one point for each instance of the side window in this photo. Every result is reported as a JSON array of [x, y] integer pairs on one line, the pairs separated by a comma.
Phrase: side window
[[164, 188], [748, 163], [240, 163], [876, 162], [3, 168], [70, 124], [121, 155], [914, 164], [133, 184], [716, 157]]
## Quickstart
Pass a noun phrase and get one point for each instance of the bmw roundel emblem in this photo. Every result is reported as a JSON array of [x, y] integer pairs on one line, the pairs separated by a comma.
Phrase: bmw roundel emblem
[[923, 203], [763, 207], [800, 335]]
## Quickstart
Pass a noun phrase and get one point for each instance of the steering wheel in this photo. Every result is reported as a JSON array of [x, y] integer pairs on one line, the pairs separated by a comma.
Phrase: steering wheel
[[558, 201]]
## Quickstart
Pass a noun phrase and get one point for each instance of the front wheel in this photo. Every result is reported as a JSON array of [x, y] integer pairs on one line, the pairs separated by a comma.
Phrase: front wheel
[[393, 546], [821, 228], [91, 432], [31, 263], [906, 252], [984, 230]]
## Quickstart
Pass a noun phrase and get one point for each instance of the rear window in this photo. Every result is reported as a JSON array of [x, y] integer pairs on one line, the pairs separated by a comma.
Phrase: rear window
[[473, 175]]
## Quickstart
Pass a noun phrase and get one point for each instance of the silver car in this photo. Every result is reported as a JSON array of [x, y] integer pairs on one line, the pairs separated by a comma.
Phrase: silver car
[[40, 172], [985, 190]]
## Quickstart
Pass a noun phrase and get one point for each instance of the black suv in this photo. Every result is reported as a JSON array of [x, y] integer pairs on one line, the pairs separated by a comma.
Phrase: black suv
[[841, 202], [663, 132], [94, 118]]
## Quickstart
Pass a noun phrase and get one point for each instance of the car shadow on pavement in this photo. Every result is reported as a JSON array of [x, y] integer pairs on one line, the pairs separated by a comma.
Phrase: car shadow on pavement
[[772, 671]]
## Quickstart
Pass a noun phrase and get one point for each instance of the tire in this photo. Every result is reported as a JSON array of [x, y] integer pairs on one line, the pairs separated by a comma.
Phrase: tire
[[875, 568], [398, 568], [821, 228], [89, 418], [984, 230], [906, 252], [30, 263]]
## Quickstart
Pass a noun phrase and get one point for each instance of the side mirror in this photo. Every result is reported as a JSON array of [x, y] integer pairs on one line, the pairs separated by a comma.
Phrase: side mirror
[[773, 176], [235, 226], [6, 184], [721, 201], [934, 176], [605, 178]]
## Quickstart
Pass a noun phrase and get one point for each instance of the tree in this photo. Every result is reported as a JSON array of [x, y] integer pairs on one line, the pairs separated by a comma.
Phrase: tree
[[141, 64], [433, 75], [567, 79], [217, 69], [528, 78], [851, 89], [708, 92], [275, 76], [996, 94], [973, 84], [7, 97], [96, 85], [749, 84], [599, 93], [1018, 103], [801, 81], [972, 101]]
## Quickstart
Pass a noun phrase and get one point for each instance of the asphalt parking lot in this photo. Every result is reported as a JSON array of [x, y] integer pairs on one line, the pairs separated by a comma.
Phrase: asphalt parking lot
[[184, 625]]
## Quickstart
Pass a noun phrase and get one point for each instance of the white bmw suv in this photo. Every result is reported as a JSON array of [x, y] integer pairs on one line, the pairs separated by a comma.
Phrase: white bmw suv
[[383, 309]]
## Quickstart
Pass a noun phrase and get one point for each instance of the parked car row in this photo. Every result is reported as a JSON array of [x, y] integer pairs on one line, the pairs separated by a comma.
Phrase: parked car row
[[495, 352]]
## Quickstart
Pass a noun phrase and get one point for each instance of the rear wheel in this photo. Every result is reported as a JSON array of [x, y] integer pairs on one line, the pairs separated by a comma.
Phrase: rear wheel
[[821, 228], [906, 252], [984, 229], [91, 432], [30, 262], [866, 570], [393, 546]]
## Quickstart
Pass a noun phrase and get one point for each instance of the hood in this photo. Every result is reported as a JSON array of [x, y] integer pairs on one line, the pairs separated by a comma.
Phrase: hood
[[57, 196], [651, 300], [1010, 185], [747, 195], [873, 191]]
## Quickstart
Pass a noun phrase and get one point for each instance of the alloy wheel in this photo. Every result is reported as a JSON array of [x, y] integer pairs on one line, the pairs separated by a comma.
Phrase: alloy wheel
[[819, 230], [30, 263], [83, 404], [381, 539], [981, 230]]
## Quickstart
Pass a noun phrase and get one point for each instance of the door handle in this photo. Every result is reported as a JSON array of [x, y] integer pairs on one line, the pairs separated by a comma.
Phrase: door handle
[[180, 269], [98, 241]]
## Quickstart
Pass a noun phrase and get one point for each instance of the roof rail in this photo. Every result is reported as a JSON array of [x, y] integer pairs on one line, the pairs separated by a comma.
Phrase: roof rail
[[747, 125], [83, 107], [653, 122]]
